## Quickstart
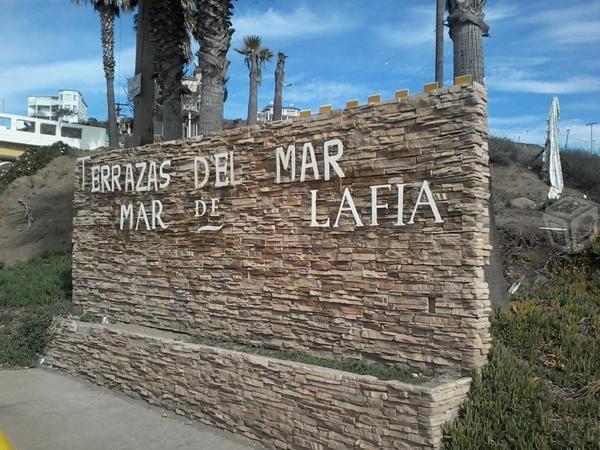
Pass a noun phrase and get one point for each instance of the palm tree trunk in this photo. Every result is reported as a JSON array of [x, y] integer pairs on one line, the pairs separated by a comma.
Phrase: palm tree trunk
[[212, 93], [279, 78], [113, 130], [468, 51], [169, 34], [253, 97], [107, 24], [213, 33], [143, 104], [467, 27]]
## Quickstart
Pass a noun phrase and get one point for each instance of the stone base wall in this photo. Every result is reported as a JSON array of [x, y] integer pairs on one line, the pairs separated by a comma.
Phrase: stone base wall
[[282, 404]]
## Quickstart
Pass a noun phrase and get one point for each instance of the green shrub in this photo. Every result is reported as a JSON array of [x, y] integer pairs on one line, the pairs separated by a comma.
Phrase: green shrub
[[41, 281], [504, 152], [31, 161], [30, 295], [581, 169]]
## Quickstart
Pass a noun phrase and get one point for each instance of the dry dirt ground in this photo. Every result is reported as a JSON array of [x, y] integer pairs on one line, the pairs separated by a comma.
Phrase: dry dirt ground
[[49, 194], [526, 248]]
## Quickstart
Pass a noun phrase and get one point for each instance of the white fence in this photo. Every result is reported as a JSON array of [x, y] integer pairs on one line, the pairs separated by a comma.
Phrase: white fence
[[37, 132]]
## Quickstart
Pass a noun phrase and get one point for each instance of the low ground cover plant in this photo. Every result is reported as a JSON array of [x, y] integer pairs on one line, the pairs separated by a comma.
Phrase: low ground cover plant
[[30, 295], [541, 388]]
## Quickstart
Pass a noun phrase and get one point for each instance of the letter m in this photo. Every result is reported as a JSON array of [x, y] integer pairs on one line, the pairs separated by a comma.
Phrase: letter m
[[286, 160], [127, 214]]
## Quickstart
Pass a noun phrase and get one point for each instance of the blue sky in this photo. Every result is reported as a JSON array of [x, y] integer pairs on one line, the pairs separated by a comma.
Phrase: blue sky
[[337, 50]]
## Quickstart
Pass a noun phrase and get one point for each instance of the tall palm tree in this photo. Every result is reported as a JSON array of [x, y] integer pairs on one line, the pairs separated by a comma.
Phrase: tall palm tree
[[143, 103], [279, 78], [212, 29], [169, 36], [256, 56], [108, 10], [465, 19]]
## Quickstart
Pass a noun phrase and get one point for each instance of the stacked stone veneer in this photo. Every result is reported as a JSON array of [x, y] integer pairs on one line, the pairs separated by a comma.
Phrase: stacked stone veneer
[[283, 404], [413, 295]]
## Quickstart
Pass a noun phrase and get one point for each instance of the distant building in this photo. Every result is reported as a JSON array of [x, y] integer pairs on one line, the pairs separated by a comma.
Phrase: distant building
[[287, 112], [68, 105], [190, 105]]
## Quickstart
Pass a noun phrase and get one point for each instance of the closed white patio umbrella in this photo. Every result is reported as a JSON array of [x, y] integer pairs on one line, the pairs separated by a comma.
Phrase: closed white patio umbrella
[[551, 168]]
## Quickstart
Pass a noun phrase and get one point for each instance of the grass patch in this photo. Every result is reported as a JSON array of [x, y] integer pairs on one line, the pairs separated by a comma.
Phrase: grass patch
[[504, 196], [30, 295], [380, 371], [541, 388]]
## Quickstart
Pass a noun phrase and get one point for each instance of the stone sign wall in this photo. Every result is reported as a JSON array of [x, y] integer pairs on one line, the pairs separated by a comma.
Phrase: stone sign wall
[[359, 233]]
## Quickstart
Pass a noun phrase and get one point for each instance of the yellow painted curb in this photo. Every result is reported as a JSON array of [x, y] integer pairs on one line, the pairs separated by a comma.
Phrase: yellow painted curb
[[4, 443]]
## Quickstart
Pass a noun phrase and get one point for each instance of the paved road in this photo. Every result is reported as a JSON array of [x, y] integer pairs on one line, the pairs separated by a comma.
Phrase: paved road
[[48, 410]]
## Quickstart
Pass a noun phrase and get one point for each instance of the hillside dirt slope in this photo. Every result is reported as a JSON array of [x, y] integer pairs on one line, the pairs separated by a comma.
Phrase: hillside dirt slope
[[49, 194], [526, 248]]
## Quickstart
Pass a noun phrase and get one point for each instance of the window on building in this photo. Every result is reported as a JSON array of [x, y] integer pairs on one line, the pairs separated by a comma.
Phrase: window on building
[[70, 132], [48, 128], [27, 126], [67, 97], [5, 123]]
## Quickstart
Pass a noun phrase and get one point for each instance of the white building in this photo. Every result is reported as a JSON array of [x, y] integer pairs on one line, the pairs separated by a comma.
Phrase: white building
[[19, 132], [190, 105], [287, 112], [50, 107]]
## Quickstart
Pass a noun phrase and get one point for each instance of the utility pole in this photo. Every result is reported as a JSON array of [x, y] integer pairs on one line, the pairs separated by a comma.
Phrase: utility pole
[[567, 140], [439, 42], [591, 125]]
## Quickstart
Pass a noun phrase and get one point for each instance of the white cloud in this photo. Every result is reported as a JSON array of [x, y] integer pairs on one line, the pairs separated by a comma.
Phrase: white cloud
[[500, 12], [86, 75], [416, 28], [323, 92], [513, 80], [575, 24], [495, 122], [515, 61], [579, 32], [300, 23], [86, 72]]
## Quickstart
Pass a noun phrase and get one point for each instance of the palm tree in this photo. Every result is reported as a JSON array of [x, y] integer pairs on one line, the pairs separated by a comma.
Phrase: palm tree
[[143, 103], [108, 10], [279, 78], [212, 29], [170, 39], [465, 19], [256, 56]]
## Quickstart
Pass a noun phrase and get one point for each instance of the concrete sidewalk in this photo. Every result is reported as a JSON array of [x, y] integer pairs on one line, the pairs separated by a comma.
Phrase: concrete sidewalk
[[42, 409]]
